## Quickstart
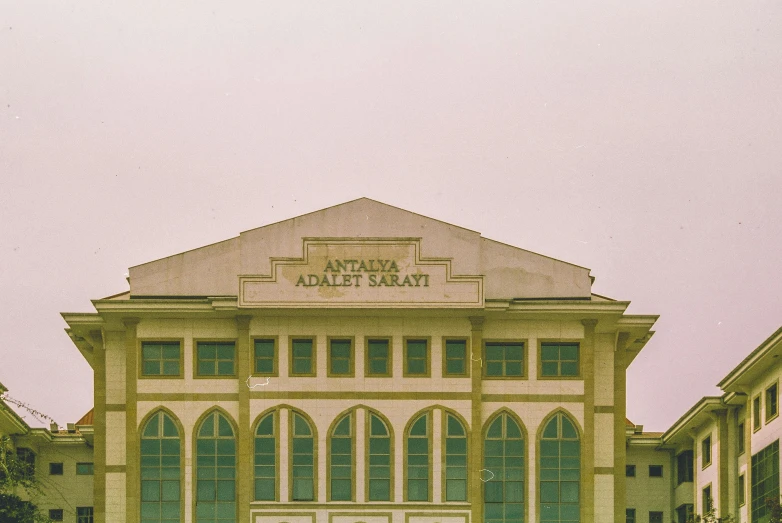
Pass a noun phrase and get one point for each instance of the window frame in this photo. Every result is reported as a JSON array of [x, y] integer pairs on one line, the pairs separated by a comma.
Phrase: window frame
[[741, 439], [443, 454], [351, 358], [180, 438], [140, 358], [54, 464], [275, 414], [353, 486], [769, 453], [56, 514], [85, 518], [427, 359], [275, 358], [704, 507], [392, 463], [28, 459], [91, 469], [524, 359], [742, 489], [195, 454], [773, 415], [444, 346], [429, 413], [197, 375], [560, 437], [314, 358], [559, 341], [655, 475], [630, 515], [654, 514], [629, 468], [704, 463], [315, 464], [689, 472], [757, 409], [389, 360]]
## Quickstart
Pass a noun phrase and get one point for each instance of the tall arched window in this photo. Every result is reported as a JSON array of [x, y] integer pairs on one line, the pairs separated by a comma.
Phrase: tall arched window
[[341, 460], [266, 460], [455, 459], [560, 471], [215, 470], [302, 459], [379, 460], [503, 474], [160, 470], [418, 453]]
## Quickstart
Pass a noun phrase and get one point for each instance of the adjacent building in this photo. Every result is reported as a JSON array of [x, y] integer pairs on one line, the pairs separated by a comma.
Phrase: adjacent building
[[360, 364]]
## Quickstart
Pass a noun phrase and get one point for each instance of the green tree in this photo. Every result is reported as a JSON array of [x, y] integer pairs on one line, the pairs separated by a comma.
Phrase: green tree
[[15, 475]]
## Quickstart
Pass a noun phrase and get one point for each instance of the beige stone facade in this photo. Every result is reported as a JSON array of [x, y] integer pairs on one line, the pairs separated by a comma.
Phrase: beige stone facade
[[478, 382]]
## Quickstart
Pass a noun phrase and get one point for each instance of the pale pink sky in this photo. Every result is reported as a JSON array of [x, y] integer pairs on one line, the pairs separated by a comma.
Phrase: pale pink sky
[[640, 139]]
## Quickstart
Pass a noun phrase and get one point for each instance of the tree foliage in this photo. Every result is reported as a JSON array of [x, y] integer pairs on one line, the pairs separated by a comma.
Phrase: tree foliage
[[16, 475]]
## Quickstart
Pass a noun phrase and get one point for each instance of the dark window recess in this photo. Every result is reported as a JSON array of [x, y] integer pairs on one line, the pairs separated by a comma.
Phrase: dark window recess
[[684, 467], [55, 514], [630, 471], [55, 469], [655, 471]]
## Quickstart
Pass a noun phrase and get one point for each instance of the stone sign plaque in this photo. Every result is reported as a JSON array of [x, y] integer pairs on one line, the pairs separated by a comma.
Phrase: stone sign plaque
[[361, 273]]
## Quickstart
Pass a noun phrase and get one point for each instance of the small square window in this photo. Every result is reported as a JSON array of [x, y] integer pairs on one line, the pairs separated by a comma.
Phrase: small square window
[[559, 359], [302, 357], [216, 358], [655, 471], [85, 469], [655, 517], [772, 402], [416, 357], [630, 471], [378, 357], [341, 357], [265, 357], [55, 469], [455, 358], [504, 359], [55, 514], [160, 358], [630, 515], [706, 452]]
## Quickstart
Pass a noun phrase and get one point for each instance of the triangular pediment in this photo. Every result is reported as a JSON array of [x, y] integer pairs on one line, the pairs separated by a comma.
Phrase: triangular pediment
[[361, 253]]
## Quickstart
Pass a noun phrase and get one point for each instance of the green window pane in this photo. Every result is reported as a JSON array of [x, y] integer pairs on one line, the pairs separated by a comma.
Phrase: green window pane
[[513, 368], [419, 427], [549, 352], [225, 351], [378, 367], [301, 366], [300, 426], [454, 367], [225, 368], [569, 368], [455, 349], [495, 352], [171, 368], [549, 368], [302, 348], [151, 368], [569, 352], [455, 427], [416, 367], [170, 351], [378, 348], [207, 351], [494, 368], [264, 348], [340, 366], [151, 352], [416, 348], [264, 366], [207, 368], [379, 490], [340, 348], [377, 426]]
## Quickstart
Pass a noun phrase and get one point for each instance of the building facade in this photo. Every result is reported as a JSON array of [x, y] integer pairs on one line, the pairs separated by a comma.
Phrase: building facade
[[359, 364]]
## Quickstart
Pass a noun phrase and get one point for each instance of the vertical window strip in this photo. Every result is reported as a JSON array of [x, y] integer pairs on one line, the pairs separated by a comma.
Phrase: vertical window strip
[[764, 480], [418, 449], [265, 358], [160, 470], [303, 460], [341, 460], [379, 460], [266, 459], [378, 358], [560, 471], [340, 360], [455, 357], [302, 357], [503, 493], [215, 471], [417, 357], [455, 460]]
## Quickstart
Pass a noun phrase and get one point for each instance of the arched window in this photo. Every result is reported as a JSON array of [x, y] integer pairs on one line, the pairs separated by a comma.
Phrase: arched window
[[418, 453], [455, 459], [215, 470], [341, 460], [503, 474], [160, 470], [266, 460], [560, 471], [302, 459], [379, 460]]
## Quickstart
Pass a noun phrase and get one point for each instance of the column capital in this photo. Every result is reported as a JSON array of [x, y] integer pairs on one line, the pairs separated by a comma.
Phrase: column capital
[[130, 322], [243, 322], [589, 323], [477, 322]]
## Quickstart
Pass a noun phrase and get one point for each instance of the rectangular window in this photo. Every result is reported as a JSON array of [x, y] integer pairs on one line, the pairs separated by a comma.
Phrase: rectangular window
[[55, 514], [302, 357], [84, 515], [742, 490], [378, 357], [740, 437], [265, 357], [683, 513], [684, 467], [706, 501], [85, 469], [216, 358], [55, 469], [26, 458], [455, 358], [764, 481], [416, 357], [340, 357], [161, 358], [655, 517], [655, 471], [559, 359], [630, 471], [706, 452], [772, 402], [756, 413], [630, 515], [504, 359]]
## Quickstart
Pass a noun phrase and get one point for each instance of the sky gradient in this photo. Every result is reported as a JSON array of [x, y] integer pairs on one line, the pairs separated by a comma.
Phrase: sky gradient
[[641, 140]]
